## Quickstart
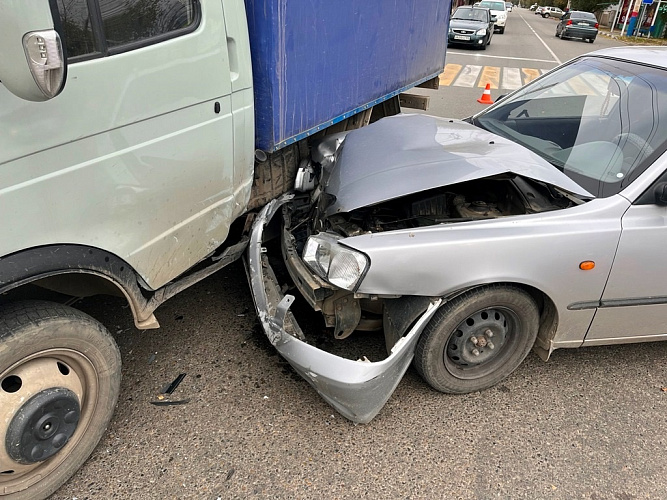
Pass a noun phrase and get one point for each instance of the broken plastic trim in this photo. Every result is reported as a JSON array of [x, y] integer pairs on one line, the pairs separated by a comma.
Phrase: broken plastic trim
[[356, 389]]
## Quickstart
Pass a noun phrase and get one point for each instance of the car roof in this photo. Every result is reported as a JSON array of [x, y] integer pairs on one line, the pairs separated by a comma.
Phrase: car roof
[[653, 56]]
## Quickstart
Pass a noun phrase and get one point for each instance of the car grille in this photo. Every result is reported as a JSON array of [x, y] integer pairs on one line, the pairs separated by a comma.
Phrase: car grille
[[461, 31]]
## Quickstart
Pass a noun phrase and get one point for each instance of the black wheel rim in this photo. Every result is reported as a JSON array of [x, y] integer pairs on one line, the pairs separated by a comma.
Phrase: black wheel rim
[[481, 343]]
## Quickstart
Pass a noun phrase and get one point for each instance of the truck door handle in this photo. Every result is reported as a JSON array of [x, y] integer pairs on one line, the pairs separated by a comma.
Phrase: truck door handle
[[233, 59]]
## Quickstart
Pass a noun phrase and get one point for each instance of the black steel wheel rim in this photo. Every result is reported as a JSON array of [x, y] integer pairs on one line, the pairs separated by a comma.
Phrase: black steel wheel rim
[[481, 343]]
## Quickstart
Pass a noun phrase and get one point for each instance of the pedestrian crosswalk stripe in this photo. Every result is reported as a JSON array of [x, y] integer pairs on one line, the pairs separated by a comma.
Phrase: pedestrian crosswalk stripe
[[512, 78], [447, 76], [468, 76], [472, 75], [529, 74], [490, 75]]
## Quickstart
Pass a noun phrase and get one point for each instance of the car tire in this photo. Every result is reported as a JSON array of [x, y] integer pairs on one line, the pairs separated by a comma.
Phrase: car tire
[[557, 34], [546, 15], [477, 339], [59, 381], [501, 30], [591, 40]]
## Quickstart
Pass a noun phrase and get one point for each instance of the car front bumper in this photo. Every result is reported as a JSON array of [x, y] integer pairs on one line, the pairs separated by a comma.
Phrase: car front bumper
[[476, 40], [356, 389]]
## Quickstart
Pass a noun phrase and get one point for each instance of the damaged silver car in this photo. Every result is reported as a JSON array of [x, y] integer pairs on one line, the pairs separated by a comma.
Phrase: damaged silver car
[[537, 224]]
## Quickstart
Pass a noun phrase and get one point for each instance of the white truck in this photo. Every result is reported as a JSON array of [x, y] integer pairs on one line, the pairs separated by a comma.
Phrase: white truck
[[137, 138]]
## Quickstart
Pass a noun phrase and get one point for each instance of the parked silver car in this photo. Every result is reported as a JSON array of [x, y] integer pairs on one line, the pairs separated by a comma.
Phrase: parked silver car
[[538, 223]]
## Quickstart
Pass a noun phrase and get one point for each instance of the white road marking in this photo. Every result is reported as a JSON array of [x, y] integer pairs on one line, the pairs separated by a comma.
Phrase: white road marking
[[468, 76], [511, 78], [468, 55], [543, 42]]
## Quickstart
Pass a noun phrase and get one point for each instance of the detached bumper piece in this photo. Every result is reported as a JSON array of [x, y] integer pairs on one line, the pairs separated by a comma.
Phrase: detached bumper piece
[[356, 389]]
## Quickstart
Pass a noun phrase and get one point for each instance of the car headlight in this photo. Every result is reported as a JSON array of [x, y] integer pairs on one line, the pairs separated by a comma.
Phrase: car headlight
[[481, 32], [449, 31], [338, 264]]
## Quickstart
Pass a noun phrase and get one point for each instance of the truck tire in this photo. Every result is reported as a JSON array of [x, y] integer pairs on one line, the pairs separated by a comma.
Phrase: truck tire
[[59, 383], [477, 339]]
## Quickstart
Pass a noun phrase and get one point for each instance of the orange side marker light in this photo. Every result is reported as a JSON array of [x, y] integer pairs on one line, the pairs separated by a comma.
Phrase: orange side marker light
[[587, 265]]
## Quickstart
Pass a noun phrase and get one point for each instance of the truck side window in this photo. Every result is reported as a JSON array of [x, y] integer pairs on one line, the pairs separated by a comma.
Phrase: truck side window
[[113, 26], [127, 21], [75, 18]]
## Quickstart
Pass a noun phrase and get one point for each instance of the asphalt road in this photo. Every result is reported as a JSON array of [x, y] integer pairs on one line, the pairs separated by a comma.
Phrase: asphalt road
[[589, 424]]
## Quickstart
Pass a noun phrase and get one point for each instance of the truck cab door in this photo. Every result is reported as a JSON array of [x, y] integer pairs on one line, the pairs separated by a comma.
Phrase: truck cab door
[[137, 154]]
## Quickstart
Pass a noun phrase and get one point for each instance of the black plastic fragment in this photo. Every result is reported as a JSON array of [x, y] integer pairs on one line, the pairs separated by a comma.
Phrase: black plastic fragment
[[169, 389]]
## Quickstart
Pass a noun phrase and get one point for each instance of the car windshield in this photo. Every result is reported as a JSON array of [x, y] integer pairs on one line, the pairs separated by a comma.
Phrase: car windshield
[[595, 119], [493, 5], [471, 15]]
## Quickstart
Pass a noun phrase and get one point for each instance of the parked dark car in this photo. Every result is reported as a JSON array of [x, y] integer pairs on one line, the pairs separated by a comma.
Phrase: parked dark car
[[578, 24], [471, 26]]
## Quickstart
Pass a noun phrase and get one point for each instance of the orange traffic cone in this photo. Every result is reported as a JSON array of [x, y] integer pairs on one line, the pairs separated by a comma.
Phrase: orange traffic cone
[[486, 95]]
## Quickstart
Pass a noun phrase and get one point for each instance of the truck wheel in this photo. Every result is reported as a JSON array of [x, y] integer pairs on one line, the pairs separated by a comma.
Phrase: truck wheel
[[477, 339], [59, 382]]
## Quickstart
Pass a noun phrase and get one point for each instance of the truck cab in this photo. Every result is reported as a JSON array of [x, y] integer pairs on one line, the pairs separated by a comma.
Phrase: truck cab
[[119, 171], [137, 138]]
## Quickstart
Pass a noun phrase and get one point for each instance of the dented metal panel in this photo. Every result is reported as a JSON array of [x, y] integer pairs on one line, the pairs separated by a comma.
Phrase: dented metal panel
[[381, 162], [356, 389]]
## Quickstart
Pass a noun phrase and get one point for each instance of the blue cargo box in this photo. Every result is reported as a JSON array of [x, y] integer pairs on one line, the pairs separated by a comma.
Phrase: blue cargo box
[[316, 62]]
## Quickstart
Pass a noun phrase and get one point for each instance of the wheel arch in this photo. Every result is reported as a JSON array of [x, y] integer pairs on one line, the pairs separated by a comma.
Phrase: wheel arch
[[79, 271], [400, 313]]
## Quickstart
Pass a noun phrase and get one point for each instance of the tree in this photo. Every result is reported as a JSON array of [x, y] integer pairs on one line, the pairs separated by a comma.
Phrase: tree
[[588, 5]]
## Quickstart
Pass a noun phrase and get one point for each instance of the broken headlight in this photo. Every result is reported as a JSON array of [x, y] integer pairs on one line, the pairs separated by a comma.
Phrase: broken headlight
[[338, 264]]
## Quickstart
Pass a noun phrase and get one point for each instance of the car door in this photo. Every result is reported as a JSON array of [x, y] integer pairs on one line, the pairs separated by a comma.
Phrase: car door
[[136, 155], [634, 301], [562, 23]]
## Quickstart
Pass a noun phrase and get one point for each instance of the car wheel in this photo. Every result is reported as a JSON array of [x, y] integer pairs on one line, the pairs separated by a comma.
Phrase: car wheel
[[546, 15], [591, 40], [502, 30], [557, 34], [477, 339], [59, 382]]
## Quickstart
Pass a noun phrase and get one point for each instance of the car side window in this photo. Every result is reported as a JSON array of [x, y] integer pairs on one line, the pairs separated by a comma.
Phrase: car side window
[[112, 26]]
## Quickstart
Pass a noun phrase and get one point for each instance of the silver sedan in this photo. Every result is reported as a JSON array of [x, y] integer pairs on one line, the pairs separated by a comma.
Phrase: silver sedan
[[537, 224]]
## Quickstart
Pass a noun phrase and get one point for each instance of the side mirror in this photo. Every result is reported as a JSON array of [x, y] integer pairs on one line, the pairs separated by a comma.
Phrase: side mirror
[[32, 65], [494, 19], [660, 192]]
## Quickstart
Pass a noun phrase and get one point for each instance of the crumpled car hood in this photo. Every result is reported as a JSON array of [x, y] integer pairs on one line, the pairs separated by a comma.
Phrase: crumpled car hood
[[406, 154]]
